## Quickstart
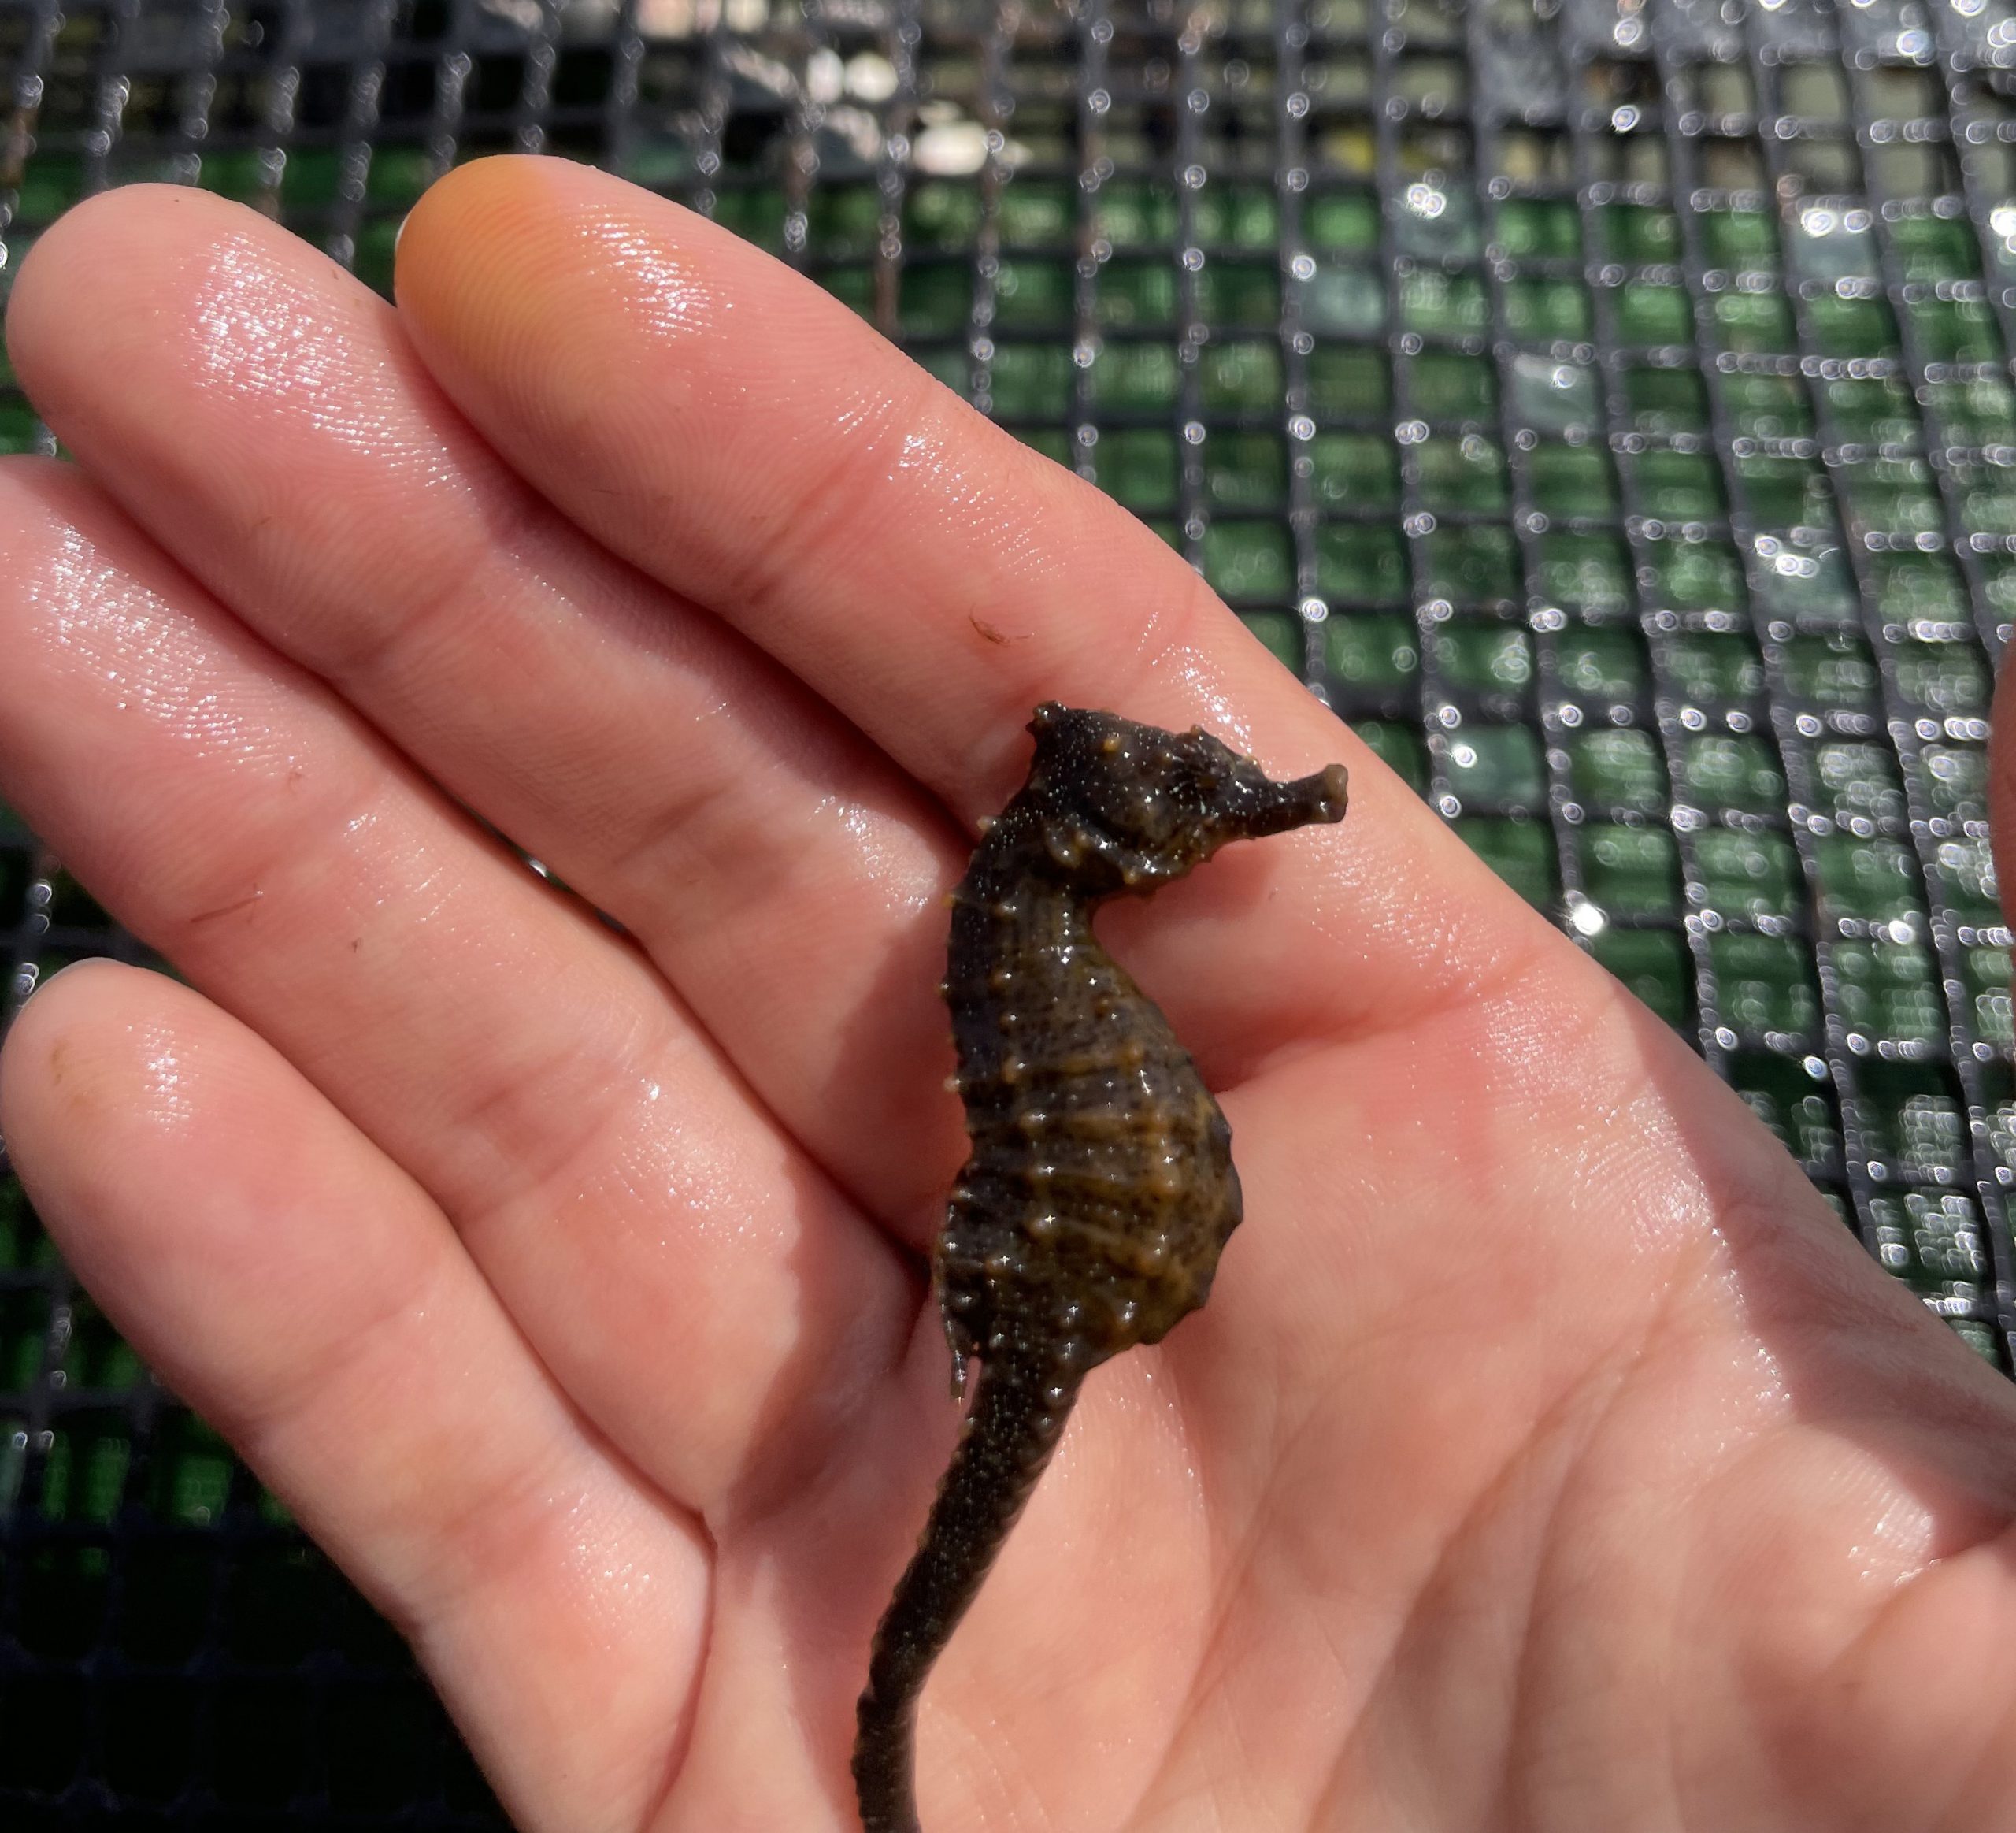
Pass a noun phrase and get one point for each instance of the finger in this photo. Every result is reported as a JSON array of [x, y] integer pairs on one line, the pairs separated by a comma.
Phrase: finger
[[260, 414], [719, 421], [303, 1293], [685, 1273]]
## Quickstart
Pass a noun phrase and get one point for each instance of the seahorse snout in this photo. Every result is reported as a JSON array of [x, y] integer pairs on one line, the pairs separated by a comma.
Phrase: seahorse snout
[[1319, 798]]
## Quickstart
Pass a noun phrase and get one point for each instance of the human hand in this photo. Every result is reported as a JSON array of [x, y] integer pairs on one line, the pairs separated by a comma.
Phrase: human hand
[[1547, 1455]]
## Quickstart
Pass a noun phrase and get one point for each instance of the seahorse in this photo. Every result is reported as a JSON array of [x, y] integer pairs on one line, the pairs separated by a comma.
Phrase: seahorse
[[1099, 1189]]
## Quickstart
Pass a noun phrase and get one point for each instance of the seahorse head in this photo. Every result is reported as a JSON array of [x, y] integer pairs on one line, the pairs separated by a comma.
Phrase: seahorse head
[[1127, 807]]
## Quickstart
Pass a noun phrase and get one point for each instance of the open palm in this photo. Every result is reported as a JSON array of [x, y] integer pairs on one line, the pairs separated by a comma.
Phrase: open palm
[[1547, 1457]]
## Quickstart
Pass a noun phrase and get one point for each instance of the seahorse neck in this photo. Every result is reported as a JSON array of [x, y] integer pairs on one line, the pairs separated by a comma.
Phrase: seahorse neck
[[1018, 909], [1020, 852]]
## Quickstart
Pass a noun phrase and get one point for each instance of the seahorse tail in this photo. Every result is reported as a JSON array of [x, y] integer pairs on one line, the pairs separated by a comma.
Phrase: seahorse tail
[[1020, 1405]]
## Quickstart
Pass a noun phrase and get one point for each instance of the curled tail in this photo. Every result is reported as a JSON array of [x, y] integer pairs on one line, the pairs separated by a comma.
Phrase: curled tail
[[1018, 1413]]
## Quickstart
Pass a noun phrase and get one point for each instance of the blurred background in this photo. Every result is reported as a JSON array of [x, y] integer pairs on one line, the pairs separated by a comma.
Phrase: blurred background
[[1603, 405]]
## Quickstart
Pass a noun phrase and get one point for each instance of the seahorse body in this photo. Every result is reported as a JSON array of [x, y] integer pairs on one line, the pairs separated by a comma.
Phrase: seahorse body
[[1100, 1187]]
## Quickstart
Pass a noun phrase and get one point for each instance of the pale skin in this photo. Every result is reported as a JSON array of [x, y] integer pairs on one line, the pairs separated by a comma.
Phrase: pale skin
[[1548, 1456]]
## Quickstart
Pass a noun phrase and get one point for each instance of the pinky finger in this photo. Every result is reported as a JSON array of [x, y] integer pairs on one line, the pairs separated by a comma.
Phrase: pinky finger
[[302, 1292]]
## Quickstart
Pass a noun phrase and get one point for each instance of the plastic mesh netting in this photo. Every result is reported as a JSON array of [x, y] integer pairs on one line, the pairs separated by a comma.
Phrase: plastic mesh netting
[[1605, 404]]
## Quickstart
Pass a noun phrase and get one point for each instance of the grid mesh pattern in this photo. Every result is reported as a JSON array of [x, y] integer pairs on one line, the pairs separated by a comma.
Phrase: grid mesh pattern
[[1604, 405]]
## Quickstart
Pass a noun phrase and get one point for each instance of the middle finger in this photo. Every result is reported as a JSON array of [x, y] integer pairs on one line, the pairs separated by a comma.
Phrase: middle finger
[[260, 414]]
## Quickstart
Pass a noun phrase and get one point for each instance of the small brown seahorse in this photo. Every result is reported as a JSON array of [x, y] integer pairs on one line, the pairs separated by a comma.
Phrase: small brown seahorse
[[1100, 1187]]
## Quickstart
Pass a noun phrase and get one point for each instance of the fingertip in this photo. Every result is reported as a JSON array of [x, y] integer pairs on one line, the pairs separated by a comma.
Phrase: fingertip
[[79, 1006], [94, 258], [44, 275], [467, 273], [456, 244], [58, 998], [475, 188], [75, 1056], [460, 195], [560, 306], [139, 295], [487, 208]]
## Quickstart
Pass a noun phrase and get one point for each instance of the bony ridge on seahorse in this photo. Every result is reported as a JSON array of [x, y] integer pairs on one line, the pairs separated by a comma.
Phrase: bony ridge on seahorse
[[1099, 1189]]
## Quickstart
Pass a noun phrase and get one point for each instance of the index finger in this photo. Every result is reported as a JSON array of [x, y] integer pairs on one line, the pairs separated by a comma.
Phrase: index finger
[[721, 422]]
